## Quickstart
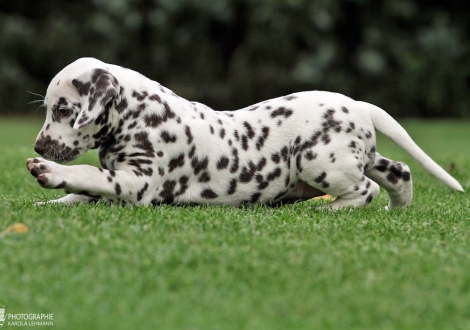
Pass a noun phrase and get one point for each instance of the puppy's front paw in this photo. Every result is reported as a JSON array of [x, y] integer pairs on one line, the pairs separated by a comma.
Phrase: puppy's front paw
[[45, 173], [37, 166]]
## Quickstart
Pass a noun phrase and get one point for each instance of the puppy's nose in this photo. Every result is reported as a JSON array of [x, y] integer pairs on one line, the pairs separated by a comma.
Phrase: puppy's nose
[[40, 146]]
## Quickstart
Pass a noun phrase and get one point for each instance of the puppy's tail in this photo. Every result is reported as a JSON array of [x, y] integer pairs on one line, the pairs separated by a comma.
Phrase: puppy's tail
[[388, 126]]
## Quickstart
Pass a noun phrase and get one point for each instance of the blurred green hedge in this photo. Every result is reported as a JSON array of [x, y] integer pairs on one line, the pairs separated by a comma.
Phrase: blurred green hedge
[[409, 57]]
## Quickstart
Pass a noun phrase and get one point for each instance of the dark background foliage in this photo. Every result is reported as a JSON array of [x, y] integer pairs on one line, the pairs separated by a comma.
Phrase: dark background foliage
[[409, 57]]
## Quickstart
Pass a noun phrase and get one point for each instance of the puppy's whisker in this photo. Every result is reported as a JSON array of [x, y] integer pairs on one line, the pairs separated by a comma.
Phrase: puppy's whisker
[[35, 101], [37, 94], [41, 106]]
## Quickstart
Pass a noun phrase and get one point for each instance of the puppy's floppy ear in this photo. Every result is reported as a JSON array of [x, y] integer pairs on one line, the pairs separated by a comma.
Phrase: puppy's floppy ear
[[97, 88]]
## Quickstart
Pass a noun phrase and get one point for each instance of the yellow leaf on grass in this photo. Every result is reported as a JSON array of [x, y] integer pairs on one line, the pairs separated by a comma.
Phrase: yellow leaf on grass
[[16, 228], [326, 197]]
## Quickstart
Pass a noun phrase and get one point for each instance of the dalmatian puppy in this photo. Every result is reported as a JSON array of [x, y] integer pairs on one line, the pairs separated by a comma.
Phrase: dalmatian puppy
[[156, 147]]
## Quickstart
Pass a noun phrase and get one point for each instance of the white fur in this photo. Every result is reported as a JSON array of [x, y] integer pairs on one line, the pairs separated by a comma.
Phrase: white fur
[[341, 160]]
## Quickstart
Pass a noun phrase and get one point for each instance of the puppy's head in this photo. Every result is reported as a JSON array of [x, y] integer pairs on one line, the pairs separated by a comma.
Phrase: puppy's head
[[78, 103]]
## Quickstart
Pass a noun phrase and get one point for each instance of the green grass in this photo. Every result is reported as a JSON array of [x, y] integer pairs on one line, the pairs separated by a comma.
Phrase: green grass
[[292, 267]]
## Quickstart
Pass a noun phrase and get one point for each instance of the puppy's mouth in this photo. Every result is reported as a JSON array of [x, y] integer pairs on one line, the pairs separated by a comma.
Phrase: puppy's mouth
[[64, 156], [56, 151]]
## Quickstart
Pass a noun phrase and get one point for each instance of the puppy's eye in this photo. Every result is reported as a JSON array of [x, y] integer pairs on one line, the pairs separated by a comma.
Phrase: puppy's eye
[[64, 113]]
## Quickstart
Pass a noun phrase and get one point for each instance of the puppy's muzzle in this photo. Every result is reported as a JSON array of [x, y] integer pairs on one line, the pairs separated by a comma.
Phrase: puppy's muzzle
[[40, 146]]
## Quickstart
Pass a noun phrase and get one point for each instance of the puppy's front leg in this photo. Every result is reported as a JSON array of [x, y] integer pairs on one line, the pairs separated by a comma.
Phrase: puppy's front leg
[[69, 199], [83, 180]]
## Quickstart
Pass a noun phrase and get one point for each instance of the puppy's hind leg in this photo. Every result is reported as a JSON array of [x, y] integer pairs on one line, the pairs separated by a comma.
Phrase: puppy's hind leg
[[353, 189], [360, 194], [395, 178]]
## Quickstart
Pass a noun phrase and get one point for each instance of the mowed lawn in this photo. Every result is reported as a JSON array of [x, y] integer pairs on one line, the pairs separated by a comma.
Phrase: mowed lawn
[[198, 267]]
